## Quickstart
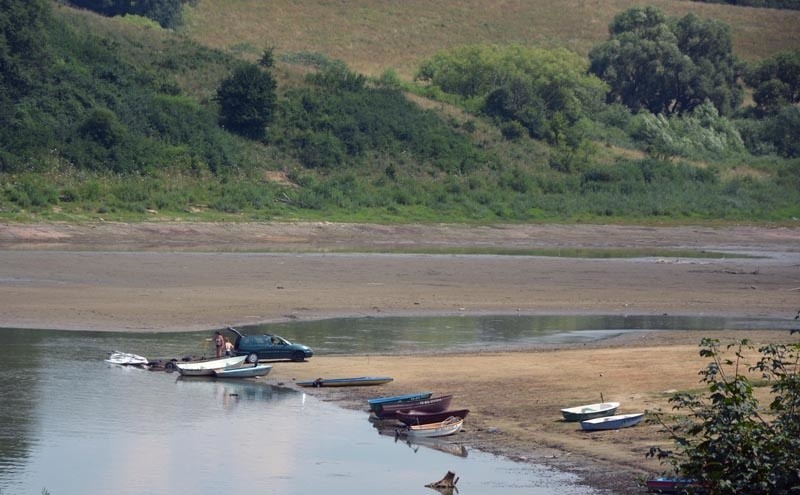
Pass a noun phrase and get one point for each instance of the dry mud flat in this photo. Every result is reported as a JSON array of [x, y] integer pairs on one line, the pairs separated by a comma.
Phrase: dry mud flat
[[187, 276]]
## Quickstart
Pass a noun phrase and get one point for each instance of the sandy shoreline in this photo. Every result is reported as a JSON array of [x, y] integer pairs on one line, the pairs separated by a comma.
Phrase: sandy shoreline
[[180, 277]]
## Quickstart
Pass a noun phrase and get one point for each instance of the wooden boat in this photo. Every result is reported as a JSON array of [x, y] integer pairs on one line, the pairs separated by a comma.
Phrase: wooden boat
[[672, 485], [126, 359], [431, 404], [377, 402], [347, 382], [590, 411], [612, 422], [414, 417], [207, 367], [243, 371], [449, 426]]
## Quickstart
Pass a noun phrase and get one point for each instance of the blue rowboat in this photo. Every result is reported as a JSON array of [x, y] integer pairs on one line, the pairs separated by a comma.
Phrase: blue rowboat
[[376, 403], [673, 485], [346, 382]]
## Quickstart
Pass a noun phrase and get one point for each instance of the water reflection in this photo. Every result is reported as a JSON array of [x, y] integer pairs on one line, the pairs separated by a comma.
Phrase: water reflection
[[74, 424], [401, 335]]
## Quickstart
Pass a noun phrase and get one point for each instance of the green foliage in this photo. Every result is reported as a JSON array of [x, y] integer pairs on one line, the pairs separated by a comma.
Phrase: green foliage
[[118, 120], [776, 82], [23, 57], [527, 85], [247, 101], [512, 130], [729, 442], [701, 133], [165, 12], [268, 57], [341, 121], [337, 76], [774, 133], [667, 66]]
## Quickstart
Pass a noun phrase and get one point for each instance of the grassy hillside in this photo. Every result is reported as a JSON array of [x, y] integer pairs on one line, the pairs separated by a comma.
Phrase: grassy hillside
[[372, 36], [372, 152]]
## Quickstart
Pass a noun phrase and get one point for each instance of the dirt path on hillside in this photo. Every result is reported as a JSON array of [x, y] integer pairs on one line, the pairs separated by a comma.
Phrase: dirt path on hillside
[[182, 276]]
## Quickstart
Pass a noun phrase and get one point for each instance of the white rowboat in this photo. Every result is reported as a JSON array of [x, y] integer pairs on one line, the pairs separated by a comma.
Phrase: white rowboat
[[589, 411], [244, 371], [612, 422], [449, 426], [206, 368]]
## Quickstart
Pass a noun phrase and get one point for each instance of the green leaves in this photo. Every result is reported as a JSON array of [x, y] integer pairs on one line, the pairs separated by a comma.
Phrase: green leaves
[[725, 442], [668, 67], [528, 85], [247, 101]]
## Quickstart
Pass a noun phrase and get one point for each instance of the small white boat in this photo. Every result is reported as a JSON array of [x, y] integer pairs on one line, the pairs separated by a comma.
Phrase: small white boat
[[126, 359], [243, 371], [449, 426], [589, 411], [207, 367], [612, 422]]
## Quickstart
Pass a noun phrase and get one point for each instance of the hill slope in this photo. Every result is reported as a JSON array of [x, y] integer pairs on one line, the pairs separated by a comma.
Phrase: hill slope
[[372, 36]]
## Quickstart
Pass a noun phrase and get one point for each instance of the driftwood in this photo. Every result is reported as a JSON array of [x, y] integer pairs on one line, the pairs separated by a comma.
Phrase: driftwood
[[449, 481]]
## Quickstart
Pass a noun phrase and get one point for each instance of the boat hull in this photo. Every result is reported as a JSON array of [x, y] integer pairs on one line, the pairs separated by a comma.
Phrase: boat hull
[[431, 404], [589, 411], [672, 485], [444, 428], [612, 422], [206, 368], [376, 403], [422, 418], [244, 371], [360, 381]]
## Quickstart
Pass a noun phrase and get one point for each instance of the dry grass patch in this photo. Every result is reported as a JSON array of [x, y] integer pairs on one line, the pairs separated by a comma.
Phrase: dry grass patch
[[373, 36]]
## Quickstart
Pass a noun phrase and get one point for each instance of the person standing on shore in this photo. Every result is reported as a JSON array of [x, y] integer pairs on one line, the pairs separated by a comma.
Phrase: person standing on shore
[[219, 344]]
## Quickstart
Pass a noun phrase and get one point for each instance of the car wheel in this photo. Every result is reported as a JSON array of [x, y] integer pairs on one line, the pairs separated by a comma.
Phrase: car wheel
[[252, 358], [298, 356], [170, 367]]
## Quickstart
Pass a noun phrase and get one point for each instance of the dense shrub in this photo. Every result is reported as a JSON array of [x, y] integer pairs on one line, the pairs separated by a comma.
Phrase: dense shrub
[[165, 12], [247, 100], [701, 133], [729, 443], [528, 85]]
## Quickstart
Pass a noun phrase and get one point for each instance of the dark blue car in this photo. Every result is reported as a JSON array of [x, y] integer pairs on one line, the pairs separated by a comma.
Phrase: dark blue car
[[268, 347]]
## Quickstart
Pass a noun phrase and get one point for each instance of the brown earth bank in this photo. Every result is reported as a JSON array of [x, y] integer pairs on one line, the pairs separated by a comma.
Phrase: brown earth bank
[[193, 276]]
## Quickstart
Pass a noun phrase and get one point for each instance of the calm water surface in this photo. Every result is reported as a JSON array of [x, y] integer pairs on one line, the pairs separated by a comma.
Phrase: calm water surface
[[75, 425]]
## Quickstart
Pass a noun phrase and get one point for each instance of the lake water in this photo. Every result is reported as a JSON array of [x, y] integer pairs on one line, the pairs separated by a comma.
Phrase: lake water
[[72, 424]]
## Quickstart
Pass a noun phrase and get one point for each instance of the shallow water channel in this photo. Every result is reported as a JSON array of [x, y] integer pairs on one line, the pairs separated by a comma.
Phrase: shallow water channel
[[72, 424]]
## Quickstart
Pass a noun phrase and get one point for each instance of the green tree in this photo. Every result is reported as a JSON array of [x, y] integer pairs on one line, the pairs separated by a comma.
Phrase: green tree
[[247, 101], [782, 130], [776, 82], [165, 12], [728, 442], [666, 66], [516, 83], [22, 48]]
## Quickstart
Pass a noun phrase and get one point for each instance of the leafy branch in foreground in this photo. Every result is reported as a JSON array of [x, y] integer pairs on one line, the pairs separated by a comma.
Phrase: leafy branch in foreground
[[728, 442]]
